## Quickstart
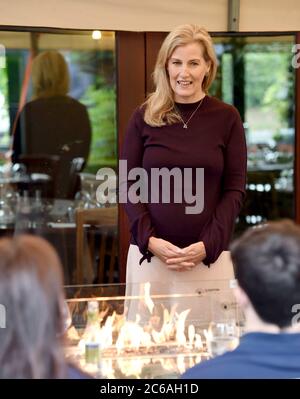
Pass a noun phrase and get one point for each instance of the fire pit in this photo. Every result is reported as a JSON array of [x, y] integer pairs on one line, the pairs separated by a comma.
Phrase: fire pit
[[162, 341]]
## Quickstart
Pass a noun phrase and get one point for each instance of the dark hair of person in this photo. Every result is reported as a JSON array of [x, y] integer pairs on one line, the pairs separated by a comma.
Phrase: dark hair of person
[[31, 293], [267, 266]]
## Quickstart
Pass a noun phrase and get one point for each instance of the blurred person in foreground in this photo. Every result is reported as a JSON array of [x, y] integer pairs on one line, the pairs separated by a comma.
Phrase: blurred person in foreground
[[267, 266], [31, 292]]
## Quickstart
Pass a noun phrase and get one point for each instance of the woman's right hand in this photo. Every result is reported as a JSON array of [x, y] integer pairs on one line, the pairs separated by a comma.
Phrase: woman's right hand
[[165, 250]]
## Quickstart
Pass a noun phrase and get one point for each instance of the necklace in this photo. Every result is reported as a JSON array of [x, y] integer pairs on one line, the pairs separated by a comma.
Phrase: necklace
[[185, 124]]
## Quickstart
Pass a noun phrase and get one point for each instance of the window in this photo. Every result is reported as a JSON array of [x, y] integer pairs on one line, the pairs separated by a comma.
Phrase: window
[[256, 75], [58, 135]]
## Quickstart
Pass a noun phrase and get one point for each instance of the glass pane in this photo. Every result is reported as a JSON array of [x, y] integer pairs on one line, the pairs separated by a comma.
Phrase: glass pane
[[57, 129], [256, 76], [162, 340]]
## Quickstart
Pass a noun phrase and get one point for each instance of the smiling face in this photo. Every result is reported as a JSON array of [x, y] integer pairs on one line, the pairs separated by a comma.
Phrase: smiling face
[[187, 69]]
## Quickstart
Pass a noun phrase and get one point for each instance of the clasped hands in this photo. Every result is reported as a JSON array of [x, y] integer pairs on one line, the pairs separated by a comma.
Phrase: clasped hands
[[178, 259]]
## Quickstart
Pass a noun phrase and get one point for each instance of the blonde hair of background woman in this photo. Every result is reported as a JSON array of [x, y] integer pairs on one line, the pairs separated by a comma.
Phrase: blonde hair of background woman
[[50, 75], [160, 104]]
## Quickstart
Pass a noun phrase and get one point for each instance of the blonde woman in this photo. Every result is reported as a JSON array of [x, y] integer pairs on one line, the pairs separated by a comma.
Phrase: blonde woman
[[53, 123], [180, 126]]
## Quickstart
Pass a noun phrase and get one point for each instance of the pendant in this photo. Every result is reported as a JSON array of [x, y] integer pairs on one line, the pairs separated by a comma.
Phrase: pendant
[[185, 126]]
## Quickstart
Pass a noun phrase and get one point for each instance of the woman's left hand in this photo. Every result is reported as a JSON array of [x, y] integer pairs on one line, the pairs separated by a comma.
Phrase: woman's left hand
[[194, 253]]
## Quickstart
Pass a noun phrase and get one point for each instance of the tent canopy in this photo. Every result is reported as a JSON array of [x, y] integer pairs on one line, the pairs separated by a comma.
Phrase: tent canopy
[[154, 15]]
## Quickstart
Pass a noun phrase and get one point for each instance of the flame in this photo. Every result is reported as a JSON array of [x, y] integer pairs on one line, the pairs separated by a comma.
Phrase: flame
[[133, 336], [130, 336], [198, 342], [147, 298], [158, 337], [198, 359], [131, 367], [146, 339], [208, 335], [167, 364], [106, 339], [181, 364], [191, 334], [117, 335], [168, 324], [180, 336], [107, 369]]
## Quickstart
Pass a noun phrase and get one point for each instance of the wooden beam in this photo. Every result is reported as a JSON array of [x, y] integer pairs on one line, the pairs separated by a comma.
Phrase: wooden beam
[[153, 43], [130, 94]]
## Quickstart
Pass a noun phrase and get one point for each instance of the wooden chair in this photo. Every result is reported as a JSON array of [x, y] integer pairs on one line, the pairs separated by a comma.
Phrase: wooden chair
[[101, 222]]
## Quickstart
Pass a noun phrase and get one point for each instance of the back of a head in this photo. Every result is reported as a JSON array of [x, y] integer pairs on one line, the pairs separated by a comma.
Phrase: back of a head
[[267, 266], [50, 75], [31, 292]]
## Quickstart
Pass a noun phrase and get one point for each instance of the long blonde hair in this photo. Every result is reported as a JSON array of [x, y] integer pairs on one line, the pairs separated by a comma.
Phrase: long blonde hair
[[50, 75], [159, 106]]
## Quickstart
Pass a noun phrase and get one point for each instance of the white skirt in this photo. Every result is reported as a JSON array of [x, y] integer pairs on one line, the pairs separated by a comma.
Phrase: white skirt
[[206, 291]]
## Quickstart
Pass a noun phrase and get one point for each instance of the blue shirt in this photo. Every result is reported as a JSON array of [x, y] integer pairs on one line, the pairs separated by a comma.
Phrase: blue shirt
[[259, 355]]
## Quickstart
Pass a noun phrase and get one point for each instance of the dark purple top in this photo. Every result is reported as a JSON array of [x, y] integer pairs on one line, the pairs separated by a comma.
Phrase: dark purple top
[[215, 141]]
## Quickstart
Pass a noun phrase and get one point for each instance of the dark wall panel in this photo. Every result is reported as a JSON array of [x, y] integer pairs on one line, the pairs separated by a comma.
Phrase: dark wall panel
[[130, 93]]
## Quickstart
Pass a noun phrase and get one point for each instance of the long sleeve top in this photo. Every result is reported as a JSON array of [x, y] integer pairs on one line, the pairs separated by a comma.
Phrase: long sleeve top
[[214, 141]]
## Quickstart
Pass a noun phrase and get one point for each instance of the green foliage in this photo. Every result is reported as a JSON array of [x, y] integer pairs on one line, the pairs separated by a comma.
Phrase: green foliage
[[270, 84], [265, 70], [101, 104], [3, 81], [4, 138]]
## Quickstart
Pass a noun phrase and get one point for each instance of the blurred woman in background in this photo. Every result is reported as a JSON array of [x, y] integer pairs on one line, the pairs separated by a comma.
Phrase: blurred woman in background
[[52, 123]]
